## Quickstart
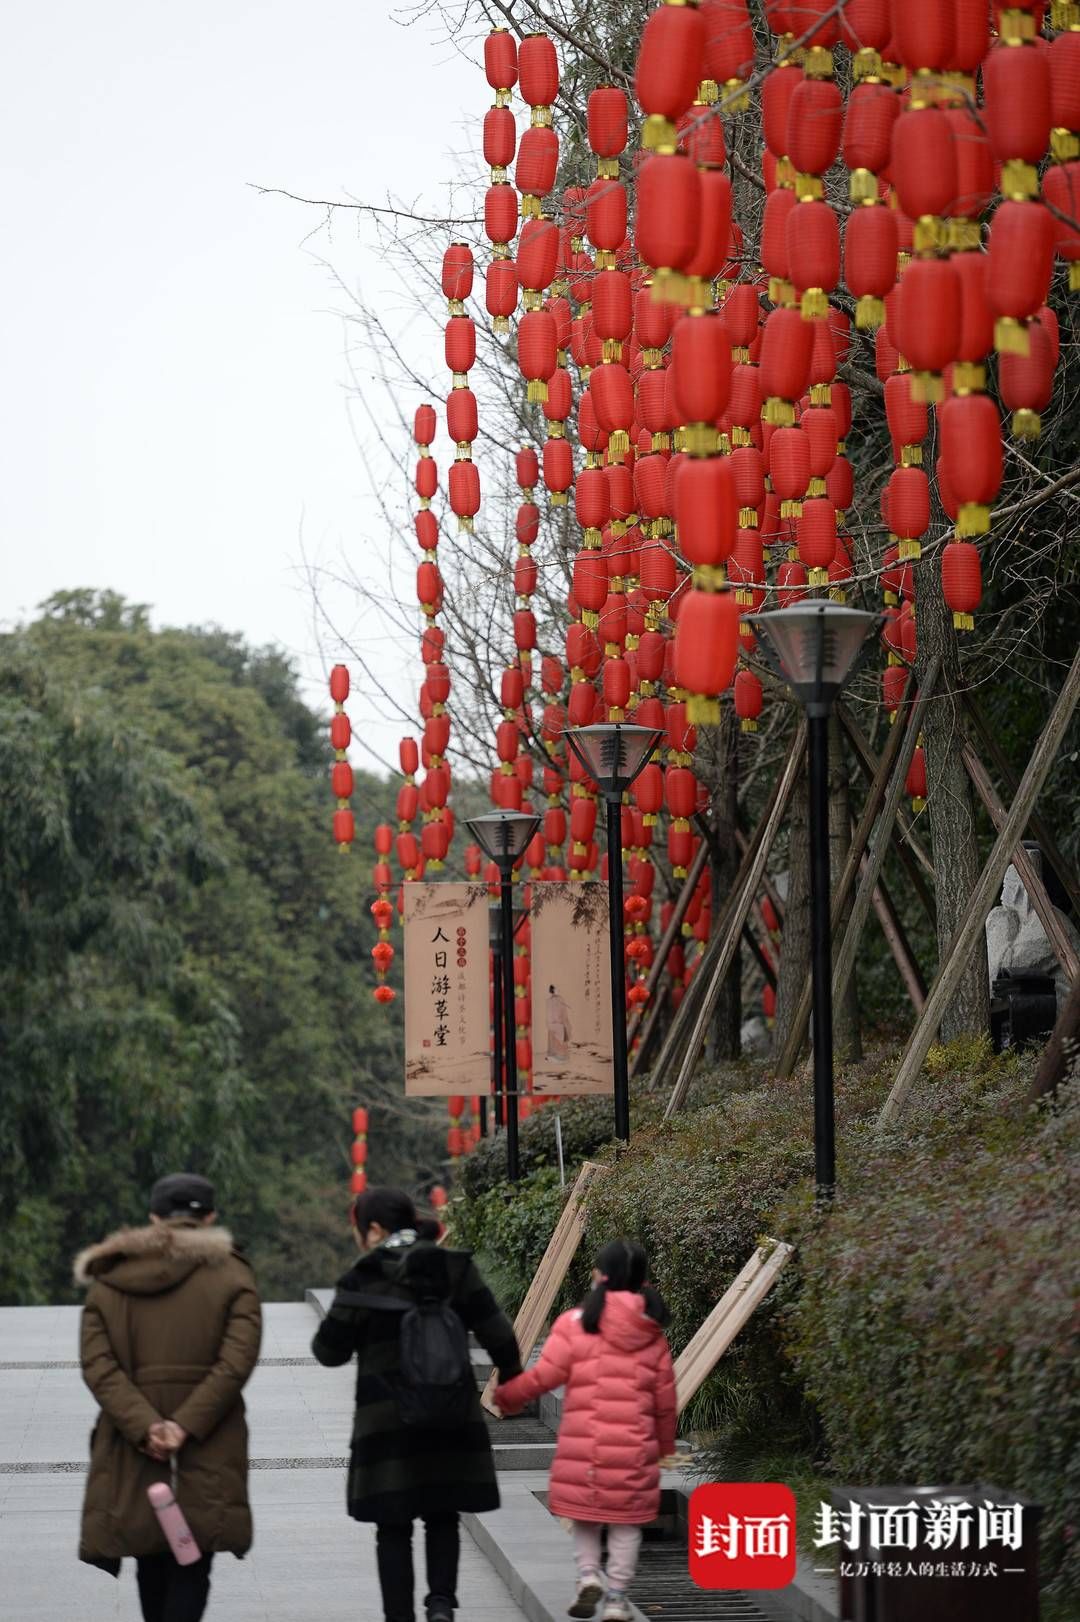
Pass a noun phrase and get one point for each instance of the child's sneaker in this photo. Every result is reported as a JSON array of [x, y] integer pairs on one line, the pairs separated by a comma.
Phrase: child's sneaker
[[589, 1594], [617, 1609]]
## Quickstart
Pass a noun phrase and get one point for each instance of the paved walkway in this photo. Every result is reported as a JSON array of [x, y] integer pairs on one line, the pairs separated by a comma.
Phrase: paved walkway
[[310, 1563]]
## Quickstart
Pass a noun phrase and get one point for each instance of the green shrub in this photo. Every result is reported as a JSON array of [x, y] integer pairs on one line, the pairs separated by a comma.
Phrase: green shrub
[[935, 1329], [925, 1329], [587, 1125], [508, 1228]]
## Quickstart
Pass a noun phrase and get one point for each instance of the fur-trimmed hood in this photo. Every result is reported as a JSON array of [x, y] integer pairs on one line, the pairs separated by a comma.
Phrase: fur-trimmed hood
[[148, 1261]]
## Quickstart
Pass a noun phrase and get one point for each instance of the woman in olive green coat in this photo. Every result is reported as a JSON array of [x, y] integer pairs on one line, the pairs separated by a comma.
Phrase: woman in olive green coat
[[170, 1334]]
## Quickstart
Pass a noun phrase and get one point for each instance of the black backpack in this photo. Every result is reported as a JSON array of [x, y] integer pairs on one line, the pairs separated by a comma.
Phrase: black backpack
[[435, 1386]]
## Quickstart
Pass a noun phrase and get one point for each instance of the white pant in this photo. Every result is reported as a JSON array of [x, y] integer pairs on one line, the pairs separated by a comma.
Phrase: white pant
[[623, 1543]]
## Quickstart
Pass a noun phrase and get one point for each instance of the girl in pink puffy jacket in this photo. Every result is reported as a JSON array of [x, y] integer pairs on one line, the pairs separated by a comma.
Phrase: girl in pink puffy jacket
[[618, 1420]]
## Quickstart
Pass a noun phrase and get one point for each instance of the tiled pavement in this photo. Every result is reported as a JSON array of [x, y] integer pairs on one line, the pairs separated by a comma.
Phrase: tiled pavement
[[310, 1563]]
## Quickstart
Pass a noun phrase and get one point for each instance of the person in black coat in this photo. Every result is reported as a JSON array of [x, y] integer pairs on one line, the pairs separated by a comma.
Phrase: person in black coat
[[398, 1472]]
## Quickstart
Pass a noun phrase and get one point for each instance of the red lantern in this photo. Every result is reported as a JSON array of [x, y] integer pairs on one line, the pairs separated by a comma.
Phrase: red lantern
[[961, 582], [706, 511], [1026, 382], [1020, 263], [344, 828], [500, 67], [701, 359], [538, 67], [339, 683], [748, 700], [972, 454], [669, 68], [706, 648], [928, 321], [668, 214], [815, 121]]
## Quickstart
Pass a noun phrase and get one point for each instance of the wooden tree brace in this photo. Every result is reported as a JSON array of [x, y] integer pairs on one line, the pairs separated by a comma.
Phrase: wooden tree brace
[[983, 896], [674, 1040], [671, 934], [554, 1265], [899, 945], [731, 1313], [875, 856], [917, 863], [1036, 821], [727, 940], [1033, 884], [888, 787]]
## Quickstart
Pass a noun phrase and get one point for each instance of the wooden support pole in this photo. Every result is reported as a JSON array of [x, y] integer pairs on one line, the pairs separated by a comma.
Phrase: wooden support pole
[[684, 1013], [899, 945], [727, 940], [670, 935], [888, 787], [984, 895], [908, 847], [1048, 914], [1037, 822], [875, 856], [766, 882], [1065, 1035], [731, 1313], [535, 1309], [675, 1038]]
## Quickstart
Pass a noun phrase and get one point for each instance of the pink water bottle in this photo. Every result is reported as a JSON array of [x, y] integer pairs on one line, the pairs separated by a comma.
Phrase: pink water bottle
[[171, 1517]]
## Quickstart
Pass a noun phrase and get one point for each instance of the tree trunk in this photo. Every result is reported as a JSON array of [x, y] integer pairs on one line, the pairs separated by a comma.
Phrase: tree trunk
[[795, 941], [951, 809], [726, 1036], [847, 1037]]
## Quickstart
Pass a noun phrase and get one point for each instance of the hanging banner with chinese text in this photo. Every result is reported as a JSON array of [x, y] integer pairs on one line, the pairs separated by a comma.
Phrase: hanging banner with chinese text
[[447, 1025], [571, 988]]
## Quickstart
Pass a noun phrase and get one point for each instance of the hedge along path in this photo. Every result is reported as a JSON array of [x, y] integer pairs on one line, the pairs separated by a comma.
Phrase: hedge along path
[[984, 895], [884, 796], [675, 1039], [1036, 821], [731, 1313], [1033, 884], [554, 1265], [727, 940], [670, 935]]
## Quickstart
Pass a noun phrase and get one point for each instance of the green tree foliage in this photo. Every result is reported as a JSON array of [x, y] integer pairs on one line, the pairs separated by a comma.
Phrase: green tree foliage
[[184, 964]]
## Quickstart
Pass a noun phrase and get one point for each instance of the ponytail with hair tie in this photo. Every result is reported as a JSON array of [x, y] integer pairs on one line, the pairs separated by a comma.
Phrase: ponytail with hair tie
[[621, 1265]]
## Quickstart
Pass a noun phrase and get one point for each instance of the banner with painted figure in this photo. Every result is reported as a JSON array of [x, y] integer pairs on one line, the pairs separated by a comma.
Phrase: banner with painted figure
[[447, 1026], [571, 988]]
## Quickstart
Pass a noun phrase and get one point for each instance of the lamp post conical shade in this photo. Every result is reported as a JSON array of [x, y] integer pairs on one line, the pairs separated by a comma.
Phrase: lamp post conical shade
[[814, 647], [613, 753], [503, 835]]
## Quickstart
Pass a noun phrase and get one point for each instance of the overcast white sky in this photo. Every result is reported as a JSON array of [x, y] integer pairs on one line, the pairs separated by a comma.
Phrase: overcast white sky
[[174, 397]]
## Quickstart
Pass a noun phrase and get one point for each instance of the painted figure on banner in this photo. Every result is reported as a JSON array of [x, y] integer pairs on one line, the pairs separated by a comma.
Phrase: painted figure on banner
[[559, 1029], [569, 941]]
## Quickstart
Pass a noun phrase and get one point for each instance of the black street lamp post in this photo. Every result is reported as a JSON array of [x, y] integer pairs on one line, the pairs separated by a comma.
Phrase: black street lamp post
[[498, 1077], [503, 836], [815, 648], [613, 753]]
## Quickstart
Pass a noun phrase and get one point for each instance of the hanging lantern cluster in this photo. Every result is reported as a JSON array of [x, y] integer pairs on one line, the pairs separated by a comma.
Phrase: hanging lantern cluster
[[500, 200], [359, 1154], [382, 911], [341, 774]]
